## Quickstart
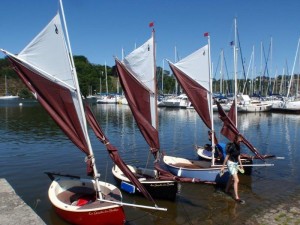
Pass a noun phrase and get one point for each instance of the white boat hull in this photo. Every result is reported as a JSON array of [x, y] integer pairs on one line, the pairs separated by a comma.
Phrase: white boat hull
[[9, 97], [196, 169], [262, 107], [286, 106]]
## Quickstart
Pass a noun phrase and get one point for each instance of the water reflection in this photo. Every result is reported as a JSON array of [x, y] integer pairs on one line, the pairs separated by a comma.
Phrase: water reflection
[[31, 144]]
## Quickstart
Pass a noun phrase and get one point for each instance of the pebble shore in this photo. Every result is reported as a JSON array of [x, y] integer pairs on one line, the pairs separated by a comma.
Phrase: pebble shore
[[284, 214]]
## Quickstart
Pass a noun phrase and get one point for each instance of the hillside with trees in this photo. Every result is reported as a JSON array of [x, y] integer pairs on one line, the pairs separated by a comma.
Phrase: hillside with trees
[[92, 79]]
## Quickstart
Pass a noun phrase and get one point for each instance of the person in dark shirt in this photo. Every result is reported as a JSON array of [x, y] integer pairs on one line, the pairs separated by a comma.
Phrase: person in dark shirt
[[233, 161]]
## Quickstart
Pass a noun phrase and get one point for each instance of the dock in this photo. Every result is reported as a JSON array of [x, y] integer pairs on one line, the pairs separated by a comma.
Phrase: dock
[[13, 210]]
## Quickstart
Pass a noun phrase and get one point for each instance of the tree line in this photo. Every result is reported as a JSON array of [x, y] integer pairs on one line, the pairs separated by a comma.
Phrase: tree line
[[92, 80], [91, 77]]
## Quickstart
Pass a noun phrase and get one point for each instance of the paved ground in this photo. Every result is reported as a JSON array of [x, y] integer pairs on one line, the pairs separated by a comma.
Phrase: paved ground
[[284, 214], [13, 210]]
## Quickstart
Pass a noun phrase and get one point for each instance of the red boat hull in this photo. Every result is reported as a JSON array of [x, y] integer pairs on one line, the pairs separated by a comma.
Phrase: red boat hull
[[112, 216], [74, 200]]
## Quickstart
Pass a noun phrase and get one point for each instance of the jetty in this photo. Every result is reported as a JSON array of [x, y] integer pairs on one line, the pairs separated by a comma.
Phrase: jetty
[[13, 210]]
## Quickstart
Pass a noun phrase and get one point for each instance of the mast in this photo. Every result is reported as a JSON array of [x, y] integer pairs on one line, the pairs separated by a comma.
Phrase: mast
[[272, 64], [5, 83], [106, 84], [155, 81], [211, 103], [292, 74], [252, 76], [248, 69], [221, 77], [260, 88], [162, 76], [96, 175], [281, 83], [176, 59], [100, 83], [235, 69]]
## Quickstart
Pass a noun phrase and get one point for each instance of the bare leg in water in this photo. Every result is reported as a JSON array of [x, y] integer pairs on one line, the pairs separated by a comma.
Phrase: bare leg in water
[[233, 179]]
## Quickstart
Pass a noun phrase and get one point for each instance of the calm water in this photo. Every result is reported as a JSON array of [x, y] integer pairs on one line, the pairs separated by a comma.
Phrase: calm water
[[31, 144]]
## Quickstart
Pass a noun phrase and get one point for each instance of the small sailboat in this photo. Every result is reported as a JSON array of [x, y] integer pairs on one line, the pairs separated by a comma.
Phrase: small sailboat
[[137, 77], [107, 98], [193, 75], [137, 74], [47, 68], [180, 101], [246, 104], [7, 96], [289, 103]]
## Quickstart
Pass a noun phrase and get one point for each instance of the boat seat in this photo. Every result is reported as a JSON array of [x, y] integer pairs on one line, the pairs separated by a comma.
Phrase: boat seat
[[86, 196]]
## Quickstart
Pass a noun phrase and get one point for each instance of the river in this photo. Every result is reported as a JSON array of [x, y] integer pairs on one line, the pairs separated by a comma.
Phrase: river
[[32, 144]]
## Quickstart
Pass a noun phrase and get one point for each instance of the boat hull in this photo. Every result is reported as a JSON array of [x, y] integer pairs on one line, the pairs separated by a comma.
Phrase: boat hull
[[286, 106], [158, 189], [74, 201], [9, 97], [196, 169], [254, 108]]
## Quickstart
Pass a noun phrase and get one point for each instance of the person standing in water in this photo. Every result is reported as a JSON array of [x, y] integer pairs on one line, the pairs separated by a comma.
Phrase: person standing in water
[[233, 161]]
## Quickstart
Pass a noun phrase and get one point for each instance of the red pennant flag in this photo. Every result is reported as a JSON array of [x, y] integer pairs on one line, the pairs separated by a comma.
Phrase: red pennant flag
[[206, 34], [151, 24]]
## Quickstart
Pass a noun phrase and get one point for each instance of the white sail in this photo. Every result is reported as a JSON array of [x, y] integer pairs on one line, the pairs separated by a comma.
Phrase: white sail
[[196, 66], [141, 63], [48, 52]]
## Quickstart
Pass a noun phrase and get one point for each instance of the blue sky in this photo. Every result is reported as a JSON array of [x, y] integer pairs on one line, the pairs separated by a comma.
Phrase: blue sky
[[100, 29]]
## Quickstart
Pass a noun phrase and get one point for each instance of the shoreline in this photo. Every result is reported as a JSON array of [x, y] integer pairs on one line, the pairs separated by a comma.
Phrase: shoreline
[[283, 213]]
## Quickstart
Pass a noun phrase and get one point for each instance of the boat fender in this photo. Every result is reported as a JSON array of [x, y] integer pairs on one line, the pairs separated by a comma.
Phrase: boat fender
[[179, 172], [127, 187]]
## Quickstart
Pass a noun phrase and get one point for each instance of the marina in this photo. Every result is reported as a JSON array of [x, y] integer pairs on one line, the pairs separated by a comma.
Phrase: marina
[[140, 156], [31, 144]]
